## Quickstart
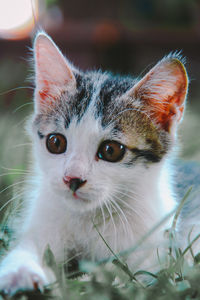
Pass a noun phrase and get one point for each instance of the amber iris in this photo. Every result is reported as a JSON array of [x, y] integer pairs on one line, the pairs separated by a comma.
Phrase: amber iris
[[111, 151], [56, 143]]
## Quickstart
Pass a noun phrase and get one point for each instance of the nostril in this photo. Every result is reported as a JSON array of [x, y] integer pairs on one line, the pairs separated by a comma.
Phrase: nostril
[[74, 183], [67, 179]]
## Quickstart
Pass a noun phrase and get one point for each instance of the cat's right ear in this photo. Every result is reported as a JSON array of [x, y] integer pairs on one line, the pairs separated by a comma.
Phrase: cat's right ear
[[162, 92], [53, 73]]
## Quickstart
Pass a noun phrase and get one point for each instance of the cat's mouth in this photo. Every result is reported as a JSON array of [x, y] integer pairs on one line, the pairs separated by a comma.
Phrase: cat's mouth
[[78, 196]]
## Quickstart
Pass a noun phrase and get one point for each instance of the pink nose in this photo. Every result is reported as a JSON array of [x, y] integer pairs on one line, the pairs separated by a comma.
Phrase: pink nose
[[74, 183]]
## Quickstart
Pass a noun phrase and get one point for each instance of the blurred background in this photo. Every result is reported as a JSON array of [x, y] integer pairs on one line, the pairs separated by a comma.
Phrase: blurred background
[[124, 36]]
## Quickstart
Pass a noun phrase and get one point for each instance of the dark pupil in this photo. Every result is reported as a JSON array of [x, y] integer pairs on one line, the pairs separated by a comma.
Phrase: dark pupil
[[56, 142], [109, 150]]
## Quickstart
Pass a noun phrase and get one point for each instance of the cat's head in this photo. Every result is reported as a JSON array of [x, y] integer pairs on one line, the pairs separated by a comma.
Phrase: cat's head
[[96, 134]]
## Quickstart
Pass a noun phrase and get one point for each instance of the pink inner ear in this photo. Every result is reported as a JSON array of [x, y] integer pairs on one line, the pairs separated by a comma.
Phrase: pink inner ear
[[173, 106], [53, 73], [163, 91], [45, 93]]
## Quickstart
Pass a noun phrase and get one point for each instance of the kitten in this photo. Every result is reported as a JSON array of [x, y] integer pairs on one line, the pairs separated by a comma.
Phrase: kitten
[[101, 147]]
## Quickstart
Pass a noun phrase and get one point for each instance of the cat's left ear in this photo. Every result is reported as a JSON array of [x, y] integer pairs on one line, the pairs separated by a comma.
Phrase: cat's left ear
[[53, 73], [162, 92]]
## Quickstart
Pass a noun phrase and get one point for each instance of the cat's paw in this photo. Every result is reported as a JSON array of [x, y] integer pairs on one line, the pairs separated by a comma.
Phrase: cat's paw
[[20, 270], [22, 278]]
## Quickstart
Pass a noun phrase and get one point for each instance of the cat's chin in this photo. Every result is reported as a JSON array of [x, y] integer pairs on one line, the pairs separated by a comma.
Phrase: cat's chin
[[79, 202], [80, 206], [79, 197]]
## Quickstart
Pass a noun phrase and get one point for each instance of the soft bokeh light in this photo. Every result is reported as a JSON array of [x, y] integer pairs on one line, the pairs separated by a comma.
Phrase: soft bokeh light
[[17, 18]]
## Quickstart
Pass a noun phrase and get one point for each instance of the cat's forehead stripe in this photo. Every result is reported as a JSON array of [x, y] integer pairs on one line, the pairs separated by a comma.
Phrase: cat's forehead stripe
[[96, 90], [112, 89], [86, 87]]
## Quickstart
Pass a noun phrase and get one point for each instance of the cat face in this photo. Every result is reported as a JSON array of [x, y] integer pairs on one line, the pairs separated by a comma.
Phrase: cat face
[[97, 136]]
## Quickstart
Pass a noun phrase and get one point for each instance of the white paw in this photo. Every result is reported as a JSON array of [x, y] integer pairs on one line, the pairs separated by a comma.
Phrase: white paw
[[22, 278], [21, 274]]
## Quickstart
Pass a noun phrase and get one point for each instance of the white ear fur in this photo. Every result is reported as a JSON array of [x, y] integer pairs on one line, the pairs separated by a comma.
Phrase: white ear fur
[[53, 73]]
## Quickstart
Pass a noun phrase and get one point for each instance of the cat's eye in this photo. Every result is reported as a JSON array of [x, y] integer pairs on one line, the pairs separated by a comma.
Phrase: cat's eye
[[56, 143], [111, 151]]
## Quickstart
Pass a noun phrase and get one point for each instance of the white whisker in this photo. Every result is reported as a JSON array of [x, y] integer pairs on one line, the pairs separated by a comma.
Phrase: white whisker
[[15, 89], [131, 207], [12, 185], [128, 194], [14, 173], [113, 222], [21, 145], [10, 200], [16, 170], [103, 215], [122, 216], [23, 105]]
